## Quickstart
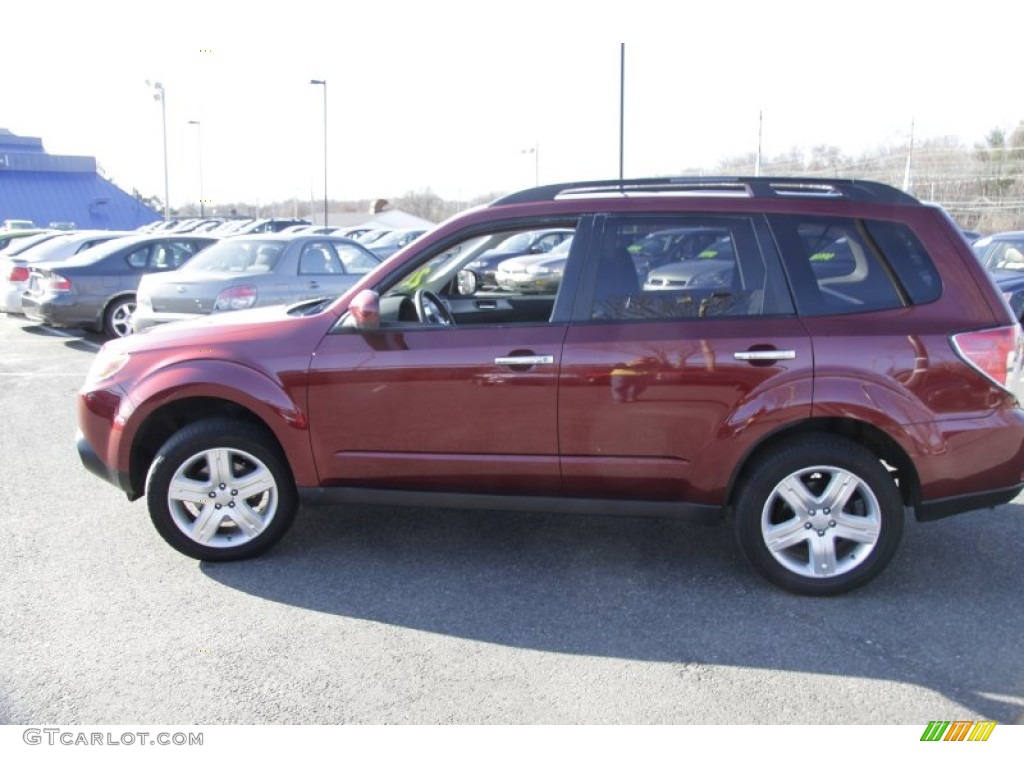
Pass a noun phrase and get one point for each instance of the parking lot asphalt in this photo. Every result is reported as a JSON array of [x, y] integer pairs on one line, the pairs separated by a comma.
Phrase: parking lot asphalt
[[387, 615]]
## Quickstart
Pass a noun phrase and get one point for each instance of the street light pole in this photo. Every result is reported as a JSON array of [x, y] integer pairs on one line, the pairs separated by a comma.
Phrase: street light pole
[[535, 151], [161, 96], [324, 84], [622, 109], [199, 141]]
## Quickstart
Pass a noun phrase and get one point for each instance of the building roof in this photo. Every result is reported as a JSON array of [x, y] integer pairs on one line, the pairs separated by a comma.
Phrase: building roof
[[48, 189]]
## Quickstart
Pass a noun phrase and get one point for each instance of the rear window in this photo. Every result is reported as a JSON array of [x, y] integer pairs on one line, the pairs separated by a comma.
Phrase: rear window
[[847, 266], [237, 256]]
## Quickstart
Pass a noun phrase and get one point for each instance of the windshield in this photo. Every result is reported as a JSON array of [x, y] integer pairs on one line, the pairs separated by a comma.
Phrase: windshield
[[237, 256]]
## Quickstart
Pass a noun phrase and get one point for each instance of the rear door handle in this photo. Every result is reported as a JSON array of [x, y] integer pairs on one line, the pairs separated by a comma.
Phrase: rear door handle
[[759, 355]]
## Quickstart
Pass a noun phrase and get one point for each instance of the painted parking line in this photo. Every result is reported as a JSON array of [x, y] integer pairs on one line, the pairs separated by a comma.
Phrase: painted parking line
[[66, 335]]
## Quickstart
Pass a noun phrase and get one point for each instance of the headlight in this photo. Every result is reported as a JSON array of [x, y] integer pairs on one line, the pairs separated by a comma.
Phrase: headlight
[[104, 366]]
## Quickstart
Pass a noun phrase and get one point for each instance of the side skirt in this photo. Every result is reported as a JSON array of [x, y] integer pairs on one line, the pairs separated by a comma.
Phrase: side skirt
[[694, 513]]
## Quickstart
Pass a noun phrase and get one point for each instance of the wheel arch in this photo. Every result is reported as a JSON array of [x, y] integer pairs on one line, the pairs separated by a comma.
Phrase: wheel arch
[[874, 439], [101, 321], [172, 417]]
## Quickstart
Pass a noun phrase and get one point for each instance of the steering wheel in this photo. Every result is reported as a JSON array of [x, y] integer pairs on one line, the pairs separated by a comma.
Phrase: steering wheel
[[430, 309]]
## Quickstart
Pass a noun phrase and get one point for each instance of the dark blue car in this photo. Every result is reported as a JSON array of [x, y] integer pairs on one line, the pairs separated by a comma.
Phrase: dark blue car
[[1002, 254]]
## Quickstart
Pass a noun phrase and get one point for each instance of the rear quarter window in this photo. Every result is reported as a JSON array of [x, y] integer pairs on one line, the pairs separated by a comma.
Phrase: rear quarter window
[[847, 266]]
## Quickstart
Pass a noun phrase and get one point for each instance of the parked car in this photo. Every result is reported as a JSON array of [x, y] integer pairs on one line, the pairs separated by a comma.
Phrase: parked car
[[9, 236], [353, 232], [260, 226], [669, 245], [536, 273], [394, 241], [701, 257], [22, 244], [11, 224], [253, 271], [95, 289], [1002, 254], [485, 266], [15, 267], [229, 227], [370, 236], [812, 407]]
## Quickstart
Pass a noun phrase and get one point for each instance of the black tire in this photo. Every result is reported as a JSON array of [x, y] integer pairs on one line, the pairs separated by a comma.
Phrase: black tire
[[117, 317], [252, 496], [820, 515]]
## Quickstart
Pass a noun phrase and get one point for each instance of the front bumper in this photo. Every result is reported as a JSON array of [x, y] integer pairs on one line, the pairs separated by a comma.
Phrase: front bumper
[[92, 462]]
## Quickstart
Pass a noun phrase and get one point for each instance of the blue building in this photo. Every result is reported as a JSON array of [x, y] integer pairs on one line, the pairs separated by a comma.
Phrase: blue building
[[62, 189]]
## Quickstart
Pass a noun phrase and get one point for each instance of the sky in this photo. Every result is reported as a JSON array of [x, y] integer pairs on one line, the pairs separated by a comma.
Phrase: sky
[[470, 98]]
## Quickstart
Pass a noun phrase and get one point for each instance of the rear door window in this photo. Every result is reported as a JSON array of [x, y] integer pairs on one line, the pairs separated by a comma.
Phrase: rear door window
[[681, 267]]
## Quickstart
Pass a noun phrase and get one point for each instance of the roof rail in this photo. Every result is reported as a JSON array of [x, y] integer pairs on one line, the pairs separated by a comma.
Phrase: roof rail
[[750, 186]]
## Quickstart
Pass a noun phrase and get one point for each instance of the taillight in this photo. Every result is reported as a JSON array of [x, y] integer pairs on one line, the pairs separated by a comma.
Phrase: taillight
[[18, 274], [995, 352], [58, 282], [239, 297]]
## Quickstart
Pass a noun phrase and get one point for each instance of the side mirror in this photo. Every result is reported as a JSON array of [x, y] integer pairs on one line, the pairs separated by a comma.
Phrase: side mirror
[[365, 310], [466, 282]]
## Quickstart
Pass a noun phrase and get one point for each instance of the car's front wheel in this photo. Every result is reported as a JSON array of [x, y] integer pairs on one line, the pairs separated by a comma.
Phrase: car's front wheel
[[819, 515], [221, 490]]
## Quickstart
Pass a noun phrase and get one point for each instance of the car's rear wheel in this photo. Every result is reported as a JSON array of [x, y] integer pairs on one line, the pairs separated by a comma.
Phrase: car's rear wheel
[[117, 319], [221, 490], [819, 515]]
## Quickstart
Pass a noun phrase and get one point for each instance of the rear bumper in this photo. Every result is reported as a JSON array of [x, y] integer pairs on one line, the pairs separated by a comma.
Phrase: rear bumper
[[10, 298], [143, 319], [59, 309]]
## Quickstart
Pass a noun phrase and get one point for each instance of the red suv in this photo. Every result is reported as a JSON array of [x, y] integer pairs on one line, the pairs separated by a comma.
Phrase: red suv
[[844, 359]]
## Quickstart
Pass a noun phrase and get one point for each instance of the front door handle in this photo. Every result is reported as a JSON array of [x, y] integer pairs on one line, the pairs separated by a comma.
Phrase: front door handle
[[526, 360]]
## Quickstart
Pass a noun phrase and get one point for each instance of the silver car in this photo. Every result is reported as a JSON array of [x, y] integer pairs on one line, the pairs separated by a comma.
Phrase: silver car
[[536, 272], [253, 271], [711, 267]]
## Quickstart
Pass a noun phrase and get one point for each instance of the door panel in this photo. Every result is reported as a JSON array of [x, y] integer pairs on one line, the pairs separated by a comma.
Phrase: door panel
[[665, 411], [430, 409]]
